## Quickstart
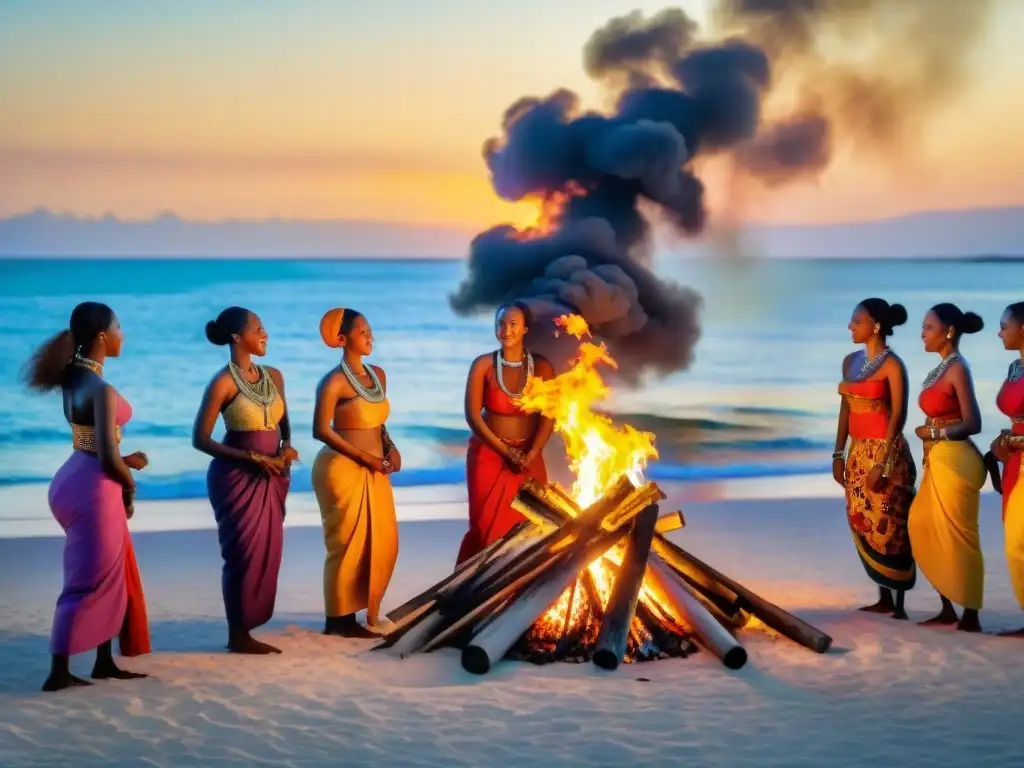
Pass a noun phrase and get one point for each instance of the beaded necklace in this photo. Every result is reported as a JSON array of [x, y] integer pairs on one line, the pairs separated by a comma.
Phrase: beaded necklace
[[1016, 371], [263, 391], [868, 367], [503, 363], [936, 373], [374, 393], [92, 365]]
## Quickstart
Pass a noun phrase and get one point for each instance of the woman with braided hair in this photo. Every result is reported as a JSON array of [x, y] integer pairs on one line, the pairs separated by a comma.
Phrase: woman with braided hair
[[877, 471]]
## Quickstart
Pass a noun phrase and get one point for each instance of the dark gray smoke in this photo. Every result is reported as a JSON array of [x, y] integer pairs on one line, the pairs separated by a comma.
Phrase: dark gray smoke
[[679, 98]]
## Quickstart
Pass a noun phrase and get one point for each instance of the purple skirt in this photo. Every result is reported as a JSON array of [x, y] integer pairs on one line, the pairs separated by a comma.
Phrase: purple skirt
[[89, 506], [248, 505]]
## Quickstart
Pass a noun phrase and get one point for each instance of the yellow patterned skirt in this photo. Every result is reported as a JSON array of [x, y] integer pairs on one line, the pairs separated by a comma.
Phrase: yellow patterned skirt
[[878, 521], [944, 522], [357, 508]]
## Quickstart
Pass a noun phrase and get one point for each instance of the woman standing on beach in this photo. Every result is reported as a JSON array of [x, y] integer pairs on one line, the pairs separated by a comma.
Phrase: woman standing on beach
[[944, 516], [507, 444], [879, 472], [1009, 449], [91, 497], [351, 478], [249, 476]]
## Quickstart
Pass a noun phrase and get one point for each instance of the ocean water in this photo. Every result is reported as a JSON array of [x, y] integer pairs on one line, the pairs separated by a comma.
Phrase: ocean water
[[760, 398]]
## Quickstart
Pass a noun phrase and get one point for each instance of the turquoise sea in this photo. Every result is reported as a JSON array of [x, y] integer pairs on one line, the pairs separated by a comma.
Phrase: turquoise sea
[[759, 400]]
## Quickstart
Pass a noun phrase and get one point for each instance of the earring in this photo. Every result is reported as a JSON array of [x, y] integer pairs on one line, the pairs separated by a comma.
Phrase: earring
[[949, 334], [878, 328], [78, 352]]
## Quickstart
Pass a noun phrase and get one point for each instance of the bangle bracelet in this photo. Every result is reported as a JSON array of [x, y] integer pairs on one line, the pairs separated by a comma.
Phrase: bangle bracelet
[[933, 433], [943, 434], [837, 455]]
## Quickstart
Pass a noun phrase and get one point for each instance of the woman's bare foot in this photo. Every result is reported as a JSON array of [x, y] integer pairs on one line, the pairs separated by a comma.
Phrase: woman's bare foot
[[900, 612], [60, 675], [106, 669], [347, 626], [60, 681], [243, 642], [969, 622], [945, 618], [884, 604]]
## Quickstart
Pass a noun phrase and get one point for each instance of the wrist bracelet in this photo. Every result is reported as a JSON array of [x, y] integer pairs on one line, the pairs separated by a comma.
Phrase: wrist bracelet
[[837, 455], [943, 434]]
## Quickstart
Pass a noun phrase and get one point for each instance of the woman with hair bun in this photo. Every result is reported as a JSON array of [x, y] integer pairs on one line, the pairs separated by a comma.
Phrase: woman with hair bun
[[506, 445], [878, 471], [351, 478], [91, 497], [944, 516], [1008, 448], [248, 478]]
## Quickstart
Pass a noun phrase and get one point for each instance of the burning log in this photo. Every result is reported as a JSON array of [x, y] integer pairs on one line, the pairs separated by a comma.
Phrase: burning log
[[673, 521], [490, 644], [709, 633], [618, 618], [784, 623]]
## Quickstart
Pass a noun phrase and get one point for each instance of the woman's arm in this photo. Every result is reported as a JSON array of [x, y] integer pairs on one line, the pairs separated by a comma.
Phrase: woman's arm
[[474, 405], [105, 418], [218, 393], [963, 386], [899, 393], [543, 370], [330, 390], [842, 434], [284, 425]]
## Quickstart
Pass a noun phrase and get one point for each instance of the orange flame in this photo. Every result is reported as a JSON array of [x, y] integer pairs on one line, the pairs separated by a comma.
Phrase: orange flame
[[550, 209], [599, 451]]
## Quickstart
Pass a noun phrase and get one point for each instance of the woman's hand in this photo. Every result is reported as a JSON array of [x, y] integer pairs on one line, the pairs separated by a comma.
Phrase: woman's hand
[[924, 433], [272, 465], [839, 471], [999, 448], [287, 453], [395, 459], [378, 464], [137, 461], [515, 459], [128, 497], [875, 480]]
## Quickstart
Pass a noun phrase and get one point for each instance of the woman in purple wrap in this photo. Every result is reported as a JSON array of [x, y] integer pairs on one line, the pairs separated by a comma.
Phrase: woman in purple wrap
[[91, 498], [249, 475]]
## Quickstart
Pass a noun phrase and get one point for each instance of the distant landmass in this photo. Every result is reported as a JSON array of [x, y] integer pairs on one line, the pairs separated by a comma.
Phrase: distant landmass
[[979, 233]]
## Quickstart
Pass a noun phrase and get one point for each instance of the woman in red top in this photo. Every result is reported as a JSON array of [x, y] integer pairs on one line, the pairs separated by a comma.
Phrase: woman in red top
[[878, 473], [944, 516], [1009, 449], [506, 444]]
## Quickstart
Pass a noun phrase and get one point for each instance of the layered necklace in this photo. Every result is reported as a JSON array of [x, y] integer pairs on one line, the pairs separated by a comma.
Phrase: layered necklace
[[503, 363], [263, 391], [374, 393], [868, 367], [92, 365], [1016, 371], [936, 373]]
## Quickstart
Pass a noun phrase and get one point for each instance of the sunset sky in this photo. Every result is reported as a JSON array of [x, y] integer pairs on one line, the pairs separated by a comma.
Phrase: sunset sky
[[344, 109]]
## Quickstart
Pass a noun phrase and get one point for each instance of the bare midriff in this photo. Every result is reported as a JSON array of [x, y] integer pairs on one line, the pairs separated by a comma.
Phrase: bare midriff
[[517, 428], [368, 440]]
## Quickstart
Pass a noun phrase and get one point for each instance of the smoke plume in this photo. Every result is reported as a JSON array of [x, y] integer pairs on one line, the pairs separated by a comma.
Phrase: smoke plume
[[780, 86]]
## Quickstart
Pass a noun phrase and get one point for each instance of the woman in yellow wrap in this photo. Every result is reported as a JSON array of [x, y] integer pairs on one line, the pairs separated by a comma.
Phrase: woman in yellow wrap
[[1008, 448], [350, 478], [943, 522]]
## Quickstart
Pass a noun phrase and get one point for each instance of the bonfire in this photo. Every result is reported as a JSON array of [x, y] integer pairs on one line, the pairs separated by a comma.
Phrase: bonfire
[[590, 573]]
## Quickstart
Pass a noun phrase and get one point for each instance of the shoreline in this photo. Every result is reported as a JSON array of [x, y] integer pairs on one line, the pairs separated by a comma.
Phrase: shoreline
[[27, 514]]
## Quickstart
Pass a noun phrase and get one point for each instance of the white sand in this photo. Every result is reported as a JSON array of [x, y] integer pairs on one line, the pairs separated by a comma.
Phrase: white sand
[[888, 693]]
